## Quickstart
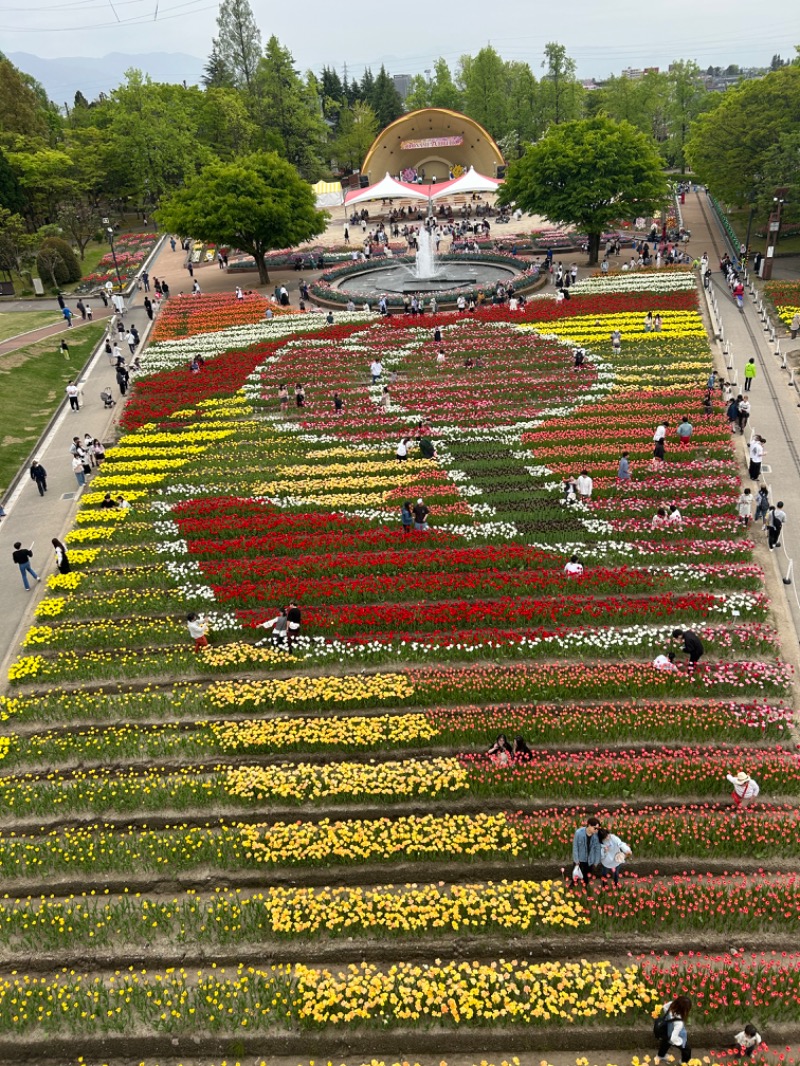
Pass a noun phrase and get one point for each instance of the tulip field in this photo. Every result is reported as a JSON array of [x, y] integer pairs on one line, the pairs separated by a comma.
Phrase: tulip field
[[261, 850]]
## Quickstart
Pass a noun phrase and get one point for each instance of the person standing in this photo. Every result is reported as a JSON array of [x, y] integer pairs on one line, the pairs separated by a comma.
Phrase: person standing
[[586, 849], [744, 412], [406, 516], [299, 395], [294, 620], [795, 325], [670, 1029], [62, 558], [64, 349], [749, 374], [584, 485], [81, 309], [685, 430], [659, 441], [376, 369], [146, 279], [122, 379], [776, 516], [744, 508], [613, 854], [624, 469], [756, 457], [421, 513], [39, 475], [762, 506], [72, 396], [401, 451], [78, 471], [130, 341], [22, 557]]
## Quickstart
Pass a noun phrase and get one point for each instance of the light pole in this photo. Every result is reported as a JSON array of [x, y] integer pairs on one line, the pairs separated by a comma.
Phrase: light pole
[[752, 199], [773, 229], [110, 232]]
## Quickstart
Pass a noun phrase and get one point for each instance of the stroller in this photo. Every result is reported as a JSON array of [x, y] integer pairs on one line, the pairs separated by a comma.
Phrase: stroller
[[107, 398]]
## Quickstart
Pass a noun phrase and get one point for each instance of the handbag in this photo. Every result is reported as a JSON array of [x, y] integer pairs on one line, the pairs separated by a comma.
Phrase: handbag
[[577, 872]]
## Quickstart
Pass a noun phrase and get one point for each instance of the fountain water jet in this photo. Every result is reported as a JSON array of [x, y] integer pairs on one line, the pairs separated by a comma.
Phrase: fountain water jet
[[425, 267]]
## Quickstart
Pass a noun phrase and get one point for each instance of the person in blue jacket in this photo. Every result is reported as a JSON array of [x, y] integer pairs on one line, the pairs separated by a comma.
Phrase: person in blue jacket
[[586, 848]]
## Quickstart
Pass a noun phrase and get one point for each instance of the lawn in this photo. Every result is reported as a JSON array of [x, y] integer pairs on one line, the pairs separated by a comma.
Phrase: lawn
[[738, 219], [14, 322], [32, 382]]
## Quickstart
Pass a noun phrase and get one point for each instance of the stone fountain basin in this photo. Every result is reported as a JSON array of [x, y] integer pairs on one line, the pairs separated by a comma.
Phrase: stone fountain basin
[[388, 277]]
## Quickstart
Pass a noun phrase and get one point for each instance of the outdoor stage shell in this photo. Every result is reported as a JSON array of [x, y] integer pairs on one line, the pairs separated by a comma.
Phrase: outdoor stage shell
[[432, 140]]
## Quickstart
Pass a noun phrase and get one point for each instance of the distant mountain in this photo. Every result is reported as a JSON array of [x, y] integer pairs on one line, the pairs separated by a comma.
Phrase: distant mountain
[[62, 78]]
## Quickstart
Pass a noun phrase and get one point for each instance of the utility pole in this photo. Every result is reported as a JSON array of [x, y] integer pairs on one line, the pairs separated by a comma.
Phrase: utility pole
[[773, 230]]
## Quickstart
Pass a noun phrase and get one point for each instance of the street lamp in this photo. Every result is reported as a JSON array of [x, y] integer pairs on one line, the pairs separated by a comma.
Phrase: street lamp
[[110, 232], [773, 230], [752, 198]]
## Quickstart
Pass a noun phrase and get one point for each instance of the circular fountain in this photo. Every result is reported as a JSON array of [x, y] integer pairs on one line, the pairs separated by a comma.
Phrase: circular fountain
[[447, 277]]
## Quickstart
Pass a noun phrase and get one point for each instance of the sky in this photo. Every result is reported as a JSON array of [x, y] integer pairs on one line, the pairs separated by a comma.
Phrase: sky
[[603, 38]]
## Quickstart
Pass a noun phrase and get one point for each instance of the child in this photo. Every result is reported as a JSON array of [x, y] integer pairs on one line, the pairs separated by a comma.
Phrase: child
[[747, 1041], [762, 506], [198, 629]]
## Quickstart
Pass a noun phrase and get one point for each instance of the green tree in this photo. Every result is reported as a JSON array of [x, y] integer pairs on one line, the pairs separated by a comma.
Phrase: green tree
[[525, 105], [16, 243], [237, 46], [22, 110], [386, 102], [216, 73], [358, 128], [562, 94], [728, 144], [224, 124], [11, 194], [589, 173], [483, 78], [444, 91], [57, 261], [687, 97], [640, 101], [289, 111], [152, 138], [419, 94], [256, 203]]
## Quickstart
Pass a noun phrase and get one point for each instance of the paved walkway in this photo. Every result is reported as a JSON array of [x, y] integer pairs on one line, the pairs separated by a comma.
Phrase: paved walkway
[[37, 519], [775, 415], [22, 340]]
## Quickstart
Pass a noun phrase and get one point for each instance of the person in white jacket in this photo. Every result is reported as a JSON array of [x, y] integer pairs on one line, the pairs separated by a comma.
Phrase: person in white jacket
[[745, 789], [613, 854]]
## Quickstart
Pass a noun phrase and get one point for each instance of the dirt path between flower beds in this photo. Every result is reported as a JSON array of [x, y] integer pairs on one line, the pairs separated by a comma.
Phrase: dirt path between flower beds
[[390, 949], [215, 762], [362, 1045], [163, 818], [206, 878]]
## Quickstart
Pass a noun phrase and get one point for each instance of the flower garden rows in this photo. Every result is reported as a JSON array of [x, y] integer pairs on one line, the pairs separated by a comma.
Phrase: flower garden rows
[[360, 751]]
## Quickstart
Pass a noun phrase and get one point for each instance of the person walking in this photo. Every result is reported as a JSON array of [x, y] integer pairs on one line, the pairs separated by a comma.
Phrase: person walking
[[67, 316], [148, 306], [756, 457], [62, 558], [732, 414], [744, 412], [745, 789], [762, 506], [613, 854], [22, 557], [776, 516], [749, 374], [692, 644], [685, 430], [376, 369], [585, 850], [39, 476], [584, 485], [72, 395], [122, 379], [669, 1029]]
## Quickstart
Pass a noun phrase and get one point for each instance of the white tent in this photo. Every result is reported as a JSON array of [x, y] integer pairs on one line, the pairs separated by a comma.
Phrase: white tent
[[467, 183], [386, 189], [328, 193]]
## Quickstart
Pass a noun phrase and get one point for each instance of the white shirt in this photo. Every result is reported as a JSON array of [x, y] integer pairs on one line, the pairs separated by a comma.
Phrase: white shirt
[[661, 662], [747, 790], [660, 433], [756, 451], [402, 450], [585, 484], [573, 569], [72, 390], [745, 1041], [198, 627], [674, 518], [376, 369]]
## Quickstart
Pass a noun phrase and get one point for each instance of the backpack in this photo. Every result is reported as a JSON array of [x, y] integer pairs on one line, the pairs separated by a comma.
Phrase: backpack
[[661, 1026]]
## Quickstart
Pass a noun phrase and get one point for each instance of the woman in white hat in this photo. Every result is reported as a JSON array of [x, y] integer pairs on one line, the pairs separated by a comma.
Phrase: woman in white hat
[[745, 789]]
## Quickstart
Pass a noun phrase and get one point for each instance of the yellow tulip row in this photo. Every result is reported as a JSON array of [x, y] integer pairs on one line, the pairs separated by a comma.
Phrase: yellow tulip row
[[302, 689], [363, 730], [311, 781], [355, 840]]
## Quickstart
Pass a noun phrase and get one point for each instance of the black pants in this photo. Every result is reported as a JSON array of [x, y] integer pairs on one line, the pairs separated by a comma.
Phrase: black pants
[[73, 402], [774, 536], [41, 485], [747, 383], [755, 470], [665, 1047]]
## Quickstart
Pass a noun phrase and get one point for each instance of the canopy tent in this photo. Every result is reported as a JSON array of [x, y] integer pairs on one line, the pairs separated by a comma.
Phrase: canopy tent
[[386, 189], [328, 193], [468, 183]]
